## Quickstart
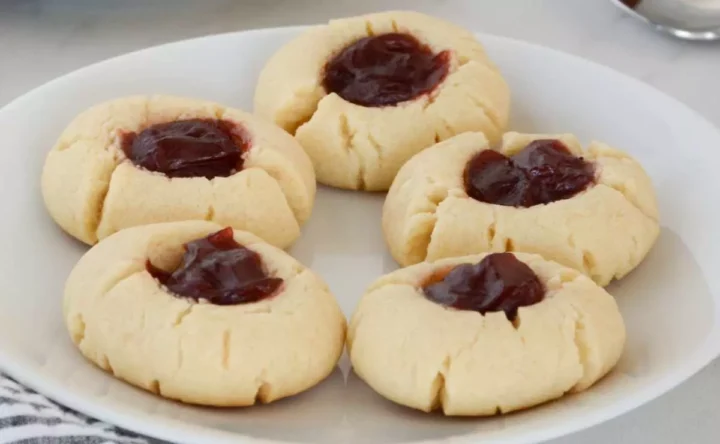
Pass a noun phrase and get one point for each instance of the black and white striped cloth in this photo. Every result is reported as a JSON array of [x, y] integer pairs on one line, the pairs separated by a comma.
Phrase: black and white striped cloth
[[27, 417]]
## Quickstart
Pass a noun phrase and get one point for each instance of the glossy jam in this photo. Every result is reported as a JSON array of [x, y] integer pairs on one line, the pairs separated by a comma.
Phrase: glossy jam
[[385, 70], [631, 3], [219, 270], [500, 282], [188, 148], [545, 171]]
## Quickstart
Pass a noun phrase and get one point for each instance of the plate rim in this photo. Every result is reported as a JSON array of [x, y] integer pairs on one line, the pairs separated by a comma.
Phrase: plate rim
[[185, 433]]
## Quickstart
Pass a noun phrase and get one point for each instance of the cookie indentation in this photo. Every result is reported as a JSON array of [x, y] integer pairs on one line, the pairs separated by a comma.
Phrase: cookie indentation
[[437, 387], [77, 328], [188, 148], [499, 282], [263, 395], [544, 171], [385, 70], [219, 270], [154, 386], [226, 349]]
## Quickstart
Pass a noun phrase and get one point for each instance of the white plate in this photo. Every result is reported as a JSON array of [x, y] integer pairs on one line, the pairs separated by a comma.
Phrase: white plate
[[671, 303]]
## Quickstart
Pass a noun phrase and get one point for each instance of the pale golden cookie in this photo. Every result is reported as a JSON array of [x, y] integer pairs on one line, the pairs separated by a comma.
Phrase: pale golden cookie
[[424, 355], [362, 147], [124, 321], [92, 190], [604, 231]]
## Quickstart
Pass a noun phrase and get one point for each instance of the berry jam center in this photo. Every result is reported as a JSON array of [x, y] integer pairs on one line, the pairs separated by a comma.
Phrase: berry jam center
[[385, 70], [499, 282], [543, 172], [188, 148], [220, 271]]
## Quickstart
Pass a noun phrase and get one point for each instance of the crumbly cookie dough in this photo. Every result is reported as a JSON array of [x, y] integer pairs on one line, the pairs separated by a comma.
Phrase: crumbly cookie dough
[[358, 147], [122, 320], [604, 231], [92, 190], [426, 356]]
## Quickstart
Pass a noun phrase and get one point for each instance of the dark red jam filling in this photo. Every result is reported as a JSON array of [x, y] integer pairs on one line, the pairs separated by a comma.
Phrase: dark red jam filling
[[188, 148], [543, 172], [385, 70], [499, 282], [219, 270]]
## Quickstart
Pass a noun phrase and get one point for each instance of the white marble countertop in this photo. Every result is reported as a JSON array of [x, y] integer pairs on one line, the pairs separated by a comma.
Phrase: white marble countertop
[[41, 39]]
